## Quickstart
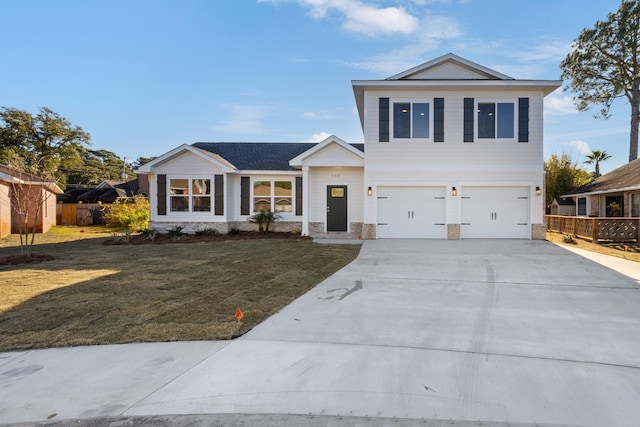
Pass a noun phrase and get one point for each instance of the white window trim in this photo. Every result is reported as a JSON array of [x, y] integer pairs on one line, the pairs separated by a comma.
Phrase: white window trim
[[496, 101], [190, 179], [393, 101], [586, 206], [273, 196]]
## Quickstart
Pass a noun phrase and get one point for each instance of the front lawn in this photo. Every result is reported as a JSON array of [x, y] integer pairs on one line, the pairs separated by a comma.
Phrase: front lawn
[[93, 293], [629, 251]]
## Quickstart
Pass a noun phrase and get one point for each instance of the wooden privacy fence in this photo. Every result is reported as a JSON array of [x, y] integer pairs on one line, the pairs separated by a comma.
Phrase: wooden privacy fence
[[595, 229], [79, 214]]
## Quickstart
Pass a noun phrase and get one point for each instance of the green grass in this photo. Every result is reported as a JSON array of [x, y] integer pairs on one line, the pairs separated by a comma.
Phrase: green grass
[[105, 294]]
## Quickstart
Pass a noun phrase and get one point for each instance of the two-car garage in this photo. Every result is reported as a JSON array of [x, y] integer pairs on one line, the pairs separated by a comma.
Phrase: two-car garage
[[483, 212]]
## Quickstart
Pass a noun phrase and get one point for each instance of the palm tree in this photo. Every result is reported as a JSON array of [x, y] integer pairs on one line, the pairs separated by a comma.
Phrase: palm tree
[[596, 157]]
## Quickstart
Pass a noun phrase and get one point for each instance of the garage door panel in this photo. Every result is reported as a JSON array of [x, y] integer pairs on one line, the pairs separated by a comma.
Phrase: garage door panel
[[411, 212], [495, 212]]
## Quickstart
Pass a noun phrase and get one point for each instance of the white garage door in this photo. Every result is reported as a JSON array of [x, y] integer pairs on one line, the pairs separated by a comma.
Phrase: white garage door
[[411, 212], [495, 212]]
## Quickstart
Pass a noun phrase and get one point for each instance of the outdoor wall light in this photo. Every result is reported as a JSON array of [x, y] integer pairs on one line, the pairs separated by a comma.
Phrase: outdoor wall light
[[538, 191], [369, 191], [454, 192]]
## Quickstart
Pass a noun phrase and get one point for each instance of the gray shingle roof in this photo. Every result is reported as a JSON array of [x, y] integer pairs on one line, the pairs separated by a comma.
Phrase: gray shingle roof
[[626, 176], [260, 155]]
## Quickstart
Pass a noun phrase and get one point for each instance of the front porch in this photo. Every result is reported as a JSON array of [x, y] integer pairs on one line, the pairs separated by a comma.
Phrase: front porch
[[595, 229]]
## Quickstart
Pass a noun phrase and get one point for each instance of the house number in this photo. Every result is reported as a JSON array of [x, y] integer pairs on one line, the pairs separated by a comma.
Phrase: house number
[[335, 175]]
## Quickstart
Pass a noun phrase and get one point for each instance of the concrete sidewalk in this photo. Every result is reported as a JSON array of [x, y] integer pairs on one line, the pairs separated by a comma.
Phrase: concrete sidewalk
[[413, 332]]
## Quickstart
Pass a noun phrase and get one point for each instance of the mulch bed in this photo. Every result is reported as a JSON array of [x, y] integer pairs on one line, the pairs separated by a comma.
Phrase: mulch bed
[[165, 238]]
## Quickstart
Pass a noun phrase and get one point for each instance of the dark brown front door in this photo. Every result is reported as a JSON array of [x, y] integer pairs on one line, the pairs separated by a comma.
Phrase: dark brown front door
[[336, 208]]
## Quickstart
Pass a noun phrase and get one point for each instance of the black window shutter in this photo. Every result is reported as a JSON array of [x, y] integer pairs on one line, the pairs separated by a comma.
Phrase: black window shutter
[[298, 195], [218, 192], [245, 194], [438, 120], [468, 120], [523, 119], [383, 119], [162, 194]]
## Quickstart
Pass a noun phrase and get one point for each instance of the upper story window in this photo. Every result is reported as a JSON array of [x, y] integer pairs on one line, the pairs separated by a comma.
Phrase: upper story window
[[190, 195], [506, 119], [411, 120], [276, 196], [408, 119], [496, 120]]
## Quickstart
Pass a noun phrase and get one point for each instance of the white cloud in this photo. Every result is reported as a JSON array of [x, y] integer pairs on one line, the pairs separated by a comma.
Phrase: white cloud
[[558, 104], [360, 17], [583, 147], [244, 119], [318, 137], [432, 31], [323, 115]]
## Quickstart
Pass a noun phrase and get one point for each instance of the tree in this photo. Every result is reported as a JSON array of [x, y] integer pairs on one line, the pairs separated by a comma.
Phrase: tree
[[561, 176], [45, 144], [605, 65], [37, 149], [596, 157], [97, 166]]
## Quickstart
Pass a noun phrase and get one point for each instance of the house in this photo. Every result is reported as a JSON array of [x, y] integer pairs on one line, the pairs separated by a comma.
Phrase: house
[[615, 194], [451, 150], [21, 192], [105, 192], [563, 206]]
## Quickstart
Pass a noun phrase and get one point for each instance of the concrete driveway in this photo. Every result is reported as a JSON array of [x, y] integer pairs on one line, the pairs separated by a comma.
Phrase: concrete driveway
[[412, 332]]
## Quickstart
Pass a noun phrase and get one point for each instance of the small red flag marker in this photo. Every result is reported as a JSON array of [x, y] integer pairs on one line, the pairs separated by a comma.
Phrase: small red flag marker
[[239, 314]]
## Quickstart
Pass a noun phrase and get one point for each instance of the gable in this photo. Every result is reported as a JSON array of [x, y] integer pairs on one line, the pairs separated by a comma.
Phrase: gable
[[450, 71], [188, 162], [450, 67], [333, 154]]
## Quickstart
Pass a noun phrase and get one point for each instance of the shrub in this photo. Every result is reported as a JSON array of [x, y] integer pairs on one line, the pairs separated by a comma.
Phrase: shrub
[[207, 232], [175, 233], [128, 214], [149, 234], [264, 219], [234, 231], [569, 238]]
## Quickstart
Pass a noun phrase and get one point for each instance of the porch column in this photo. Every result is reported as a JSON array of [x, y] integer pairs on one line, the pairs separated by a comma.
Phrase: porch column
[[305, 200]]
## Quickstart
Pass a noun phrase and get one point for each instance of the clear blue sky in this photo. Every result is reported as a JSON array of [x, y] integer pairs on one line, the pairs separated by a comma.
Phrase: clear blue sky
[[144, 76]]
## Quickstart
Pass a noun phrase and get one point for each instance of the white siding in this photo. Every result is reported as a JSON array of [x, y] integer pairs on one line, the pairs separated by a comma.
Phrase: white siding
[[454, 162], [333, 155], [319, 178]]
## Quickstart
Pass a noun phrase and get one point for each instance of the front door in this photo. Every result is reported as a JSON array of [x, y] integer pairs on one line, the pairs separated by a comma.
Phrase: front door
[[336, 208]]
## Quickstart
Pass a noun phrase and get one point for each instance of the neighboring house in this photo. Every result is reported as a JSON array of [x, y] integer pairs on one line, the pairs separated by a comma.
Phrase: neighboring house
[[563, 206], [452, 150], [105, 192], [615, 194], [19, 190]]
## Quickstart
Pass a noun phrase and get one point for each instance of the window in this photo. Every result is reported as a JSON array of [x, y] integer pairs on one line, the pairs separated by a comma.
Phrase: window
[[496, 120], [635, 204], [276, 196], [190, 195], [582, 206], [411, 120]]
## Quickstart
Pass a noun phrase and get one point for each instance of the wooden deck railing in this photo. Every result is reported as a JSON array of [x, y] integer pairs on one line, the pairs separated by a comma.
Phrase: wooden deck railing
[[596, 229]]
